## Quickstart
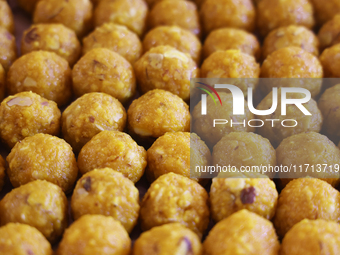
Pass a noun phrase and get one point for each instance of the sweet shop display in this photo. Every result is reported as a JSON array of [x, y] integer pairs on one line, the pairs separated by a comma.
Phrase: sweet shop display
[[169, 127]]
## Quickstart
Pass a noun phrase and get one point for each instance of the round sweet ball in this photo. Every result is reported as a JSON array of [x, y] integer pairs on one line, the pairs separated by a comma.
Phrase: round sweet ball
[[129, 13], [102, 235], [229, 195], [89, 115], [41, 72], [272, 14], [173, 151], [40, 204], [116, 38], [311, 154], [115, 150], [329, 33], [164, 67], [280, 126], [175, 13], [292, 35], [20, 239], [232, 64], [305, 198], [325, 10], [330, 62], [203, 125], [175, 198], [28, 5], [2, 172], [157, 112], [106, 192], [174, 36], [200, 157], [227, 13], [2, 83], [26, 114], [44, 157], [8, 49], [74, 14], [242, 149], [6, 17], [223, 39], [169, 238], [103, 70], [243, 232], [310, 236], [292, 62], [54, 38], [329, 105]]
